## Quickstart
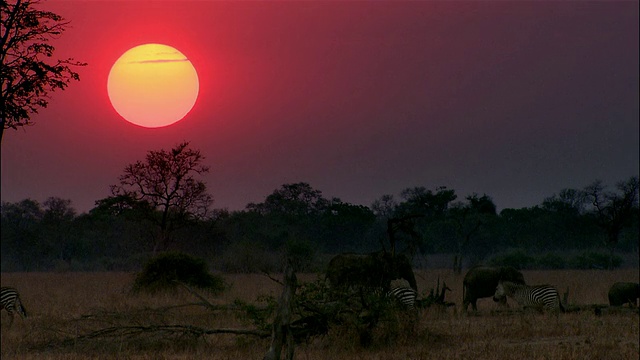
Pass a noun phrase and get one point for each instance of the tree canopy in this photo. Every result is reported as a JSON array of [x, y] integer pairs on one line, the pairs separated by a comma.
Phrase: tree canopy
[[297, 220], [166, 181]]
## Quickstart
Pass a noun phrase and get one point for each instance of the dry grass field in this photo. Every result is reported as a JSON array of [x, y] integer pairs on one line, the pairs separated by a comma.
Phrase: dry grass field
[[64, 306]]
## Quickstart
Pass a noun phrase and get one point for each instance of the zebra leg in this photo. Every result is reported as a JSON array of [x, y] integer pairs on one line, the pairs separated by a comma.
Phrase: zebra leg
[[10, 320], [502, 303]]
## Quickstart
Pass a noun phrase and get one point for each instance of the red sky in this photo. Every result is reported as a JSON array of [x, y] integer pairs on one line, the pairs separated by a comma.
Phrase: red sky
[[517, 100]]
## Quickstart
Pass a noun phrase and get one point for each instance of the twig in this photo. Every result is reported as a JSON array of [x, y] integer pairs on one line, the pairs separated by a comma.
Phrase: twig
[[272, 278], [205, 302], [119, 331]]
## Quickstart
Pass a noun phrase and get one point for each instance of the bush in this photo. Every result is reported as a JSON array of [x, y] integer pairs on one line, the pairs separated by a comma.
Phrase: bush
[[517, 259], [248, 257], [363, 316], [551, 261], [161, 273], [594, 260], [589, 260], [304, 255]]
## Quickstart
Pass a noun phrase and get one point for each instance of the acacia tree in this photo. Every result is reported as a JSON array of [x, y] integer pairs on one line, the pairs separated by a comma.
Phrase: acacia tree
[[166, 180], [27, 72]]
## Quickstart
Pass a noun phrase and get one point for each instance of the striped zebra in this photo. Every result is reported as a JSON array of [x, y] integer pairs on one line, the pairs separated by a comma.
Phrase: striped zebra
[[404, 295], [10, 301], [539, 296]]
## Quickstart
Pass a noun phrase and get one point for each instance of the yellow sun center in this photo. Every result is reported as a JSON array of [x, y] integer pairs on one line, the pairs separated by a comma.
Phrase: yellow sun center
[[153, 85]]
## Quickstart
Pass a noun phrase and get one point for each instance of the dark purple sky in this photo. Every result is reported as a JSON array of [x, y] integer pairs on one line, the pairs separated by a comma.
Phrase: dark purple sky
[[514, 99]]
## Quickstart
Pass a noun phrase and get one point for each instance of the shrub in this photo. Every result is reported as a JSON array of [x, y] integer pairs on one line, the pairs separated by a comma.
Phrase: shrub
[[357, 316], [248, 257], [161, 273], [517, 259], [551, 261], [303, 253], [595, 260]]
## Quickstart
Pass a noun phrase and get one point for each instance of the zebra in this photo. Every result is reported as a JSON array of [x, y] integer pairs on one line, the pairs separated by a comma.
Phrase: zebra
[[539, 296], [10, 301], [404, 295]]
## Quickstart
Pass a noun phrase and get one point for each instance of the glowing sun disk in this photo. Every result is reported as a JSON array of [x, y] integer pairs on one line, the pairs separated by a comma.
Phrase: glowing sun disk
[[153, 85]]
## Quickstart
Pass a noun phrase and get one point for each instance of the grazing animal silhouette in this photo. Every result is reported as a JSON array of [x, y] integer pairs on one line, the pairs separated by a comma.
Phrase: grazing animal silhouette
[[539, 296], [481, 282], [622, 293], [10, 301]]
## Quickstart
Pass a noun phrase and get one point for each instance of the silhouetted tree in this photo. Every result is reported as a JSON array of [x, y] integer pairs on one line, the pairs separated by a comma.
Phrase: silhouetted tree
[[346, 227], [430, 204], [613, 211], [20, 233], [384, 206], [57, 209], [27, 73], [567, 201], [291, 216], [564, 222], [166, 180], [414, 218], [292, 199], [57, 228], [468, 219]]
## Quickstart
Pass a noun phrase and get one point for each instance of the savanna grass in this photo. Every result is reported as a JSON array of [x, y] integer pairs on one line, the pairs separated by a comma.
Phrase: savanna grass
[[64, 306]]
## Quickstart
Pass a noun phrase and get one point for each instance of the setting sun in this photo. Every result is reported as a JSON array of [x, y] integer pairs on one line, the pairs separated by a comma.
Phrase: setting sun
[[153, 85]]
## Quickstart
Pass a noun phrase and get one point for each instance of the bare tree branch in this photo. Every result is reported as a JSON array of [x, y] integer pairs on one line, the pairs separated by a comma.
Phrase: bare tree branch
[[27, 73]]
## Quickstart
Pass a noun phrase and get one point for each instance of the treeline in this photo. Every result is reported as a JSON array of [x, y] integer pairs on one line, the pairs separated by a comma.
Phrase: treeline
[[296, 220]]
